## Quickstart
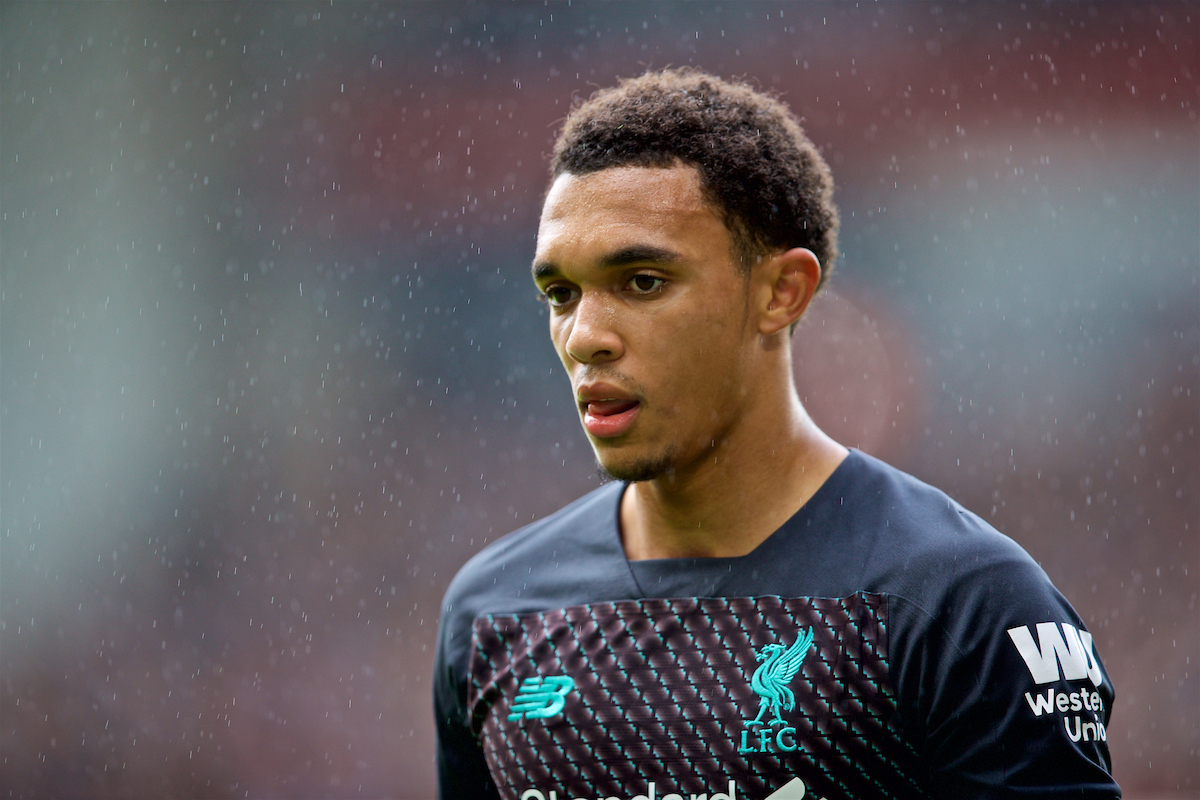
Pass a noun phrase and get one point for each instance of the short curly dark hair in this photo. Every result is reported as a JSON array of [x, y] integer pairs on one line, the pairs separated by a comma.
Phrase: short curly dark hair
[[770, 185]]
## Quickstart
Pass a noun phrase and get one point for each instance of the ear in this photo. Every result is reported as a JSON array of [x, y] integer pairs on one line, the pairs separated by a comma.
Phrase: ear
[[789, 280]]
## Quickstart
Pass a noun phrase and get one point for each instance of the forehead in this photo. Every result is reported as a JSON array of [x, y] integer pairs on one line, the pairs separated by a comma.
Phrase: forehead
[[628, 205]]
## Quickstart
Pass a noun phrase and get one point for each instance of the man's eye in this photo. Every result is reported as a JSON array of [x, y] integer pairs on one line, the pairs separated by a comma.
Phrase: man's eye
[[645, 283], [559, 295]]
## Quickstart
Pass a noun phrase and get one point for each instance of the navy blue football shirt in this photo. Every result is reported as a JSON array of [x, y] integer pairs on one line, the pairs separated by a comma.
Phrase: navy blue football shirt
[[883, 643]]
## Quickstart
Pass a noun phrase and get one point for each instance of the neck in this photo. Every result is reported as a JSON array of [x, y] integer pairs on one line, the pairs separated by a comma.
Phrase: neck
[[742, 491]]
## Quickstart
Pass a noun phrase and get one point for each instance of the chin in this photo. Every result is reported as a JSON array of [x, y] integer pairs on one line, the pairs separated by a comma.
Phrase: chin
[[635, 470]]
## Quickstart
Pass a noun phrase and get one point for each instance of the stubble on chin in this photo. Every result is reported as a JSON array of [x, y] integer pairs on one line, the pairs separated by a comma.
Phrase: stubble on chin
[[645, 470]]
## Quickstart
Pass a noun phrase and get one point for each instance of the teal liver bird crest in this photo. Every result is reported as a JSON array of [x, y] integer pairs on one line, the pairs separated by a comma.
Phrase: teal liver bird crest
[[770, 681]]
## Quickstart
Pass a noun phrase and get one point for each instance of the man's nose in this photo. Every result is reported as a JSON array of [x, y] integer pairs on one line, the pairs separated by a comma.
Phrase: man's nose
[[593, 334]]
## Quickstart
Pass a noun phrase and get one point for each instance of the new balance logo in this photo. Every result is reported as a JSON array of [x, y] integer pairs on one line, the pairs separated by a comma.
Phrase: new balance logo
[[539, 698], [1071, 650]]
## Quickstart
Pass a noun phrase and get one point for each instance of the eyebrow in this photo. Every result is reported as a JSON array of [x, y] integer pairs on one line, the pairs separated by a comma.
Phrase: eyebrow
[[634, 254]]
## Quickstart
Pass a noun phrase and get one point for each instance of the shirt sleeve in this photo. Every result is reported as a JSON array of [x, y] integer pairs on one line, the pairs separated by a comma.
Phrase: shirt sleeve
[[461, 769], [1001, 688]]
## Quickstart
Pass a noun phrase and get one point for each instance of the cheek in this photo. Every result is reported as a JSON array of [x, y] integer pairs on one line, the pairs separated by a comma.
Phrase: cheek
[[709, 333], [692, 354], [709, 354]]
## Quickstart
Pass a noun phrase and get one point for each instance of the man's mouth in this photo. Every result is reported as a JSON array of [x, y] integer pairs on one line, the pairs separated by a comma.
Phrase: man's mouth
[[607, 408], [606, 418]]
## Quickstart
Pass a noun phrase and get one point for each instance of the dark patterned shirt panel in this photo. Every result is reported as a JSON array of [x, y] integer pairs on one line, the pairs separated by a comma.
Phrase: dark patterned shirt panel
[[760, 697]]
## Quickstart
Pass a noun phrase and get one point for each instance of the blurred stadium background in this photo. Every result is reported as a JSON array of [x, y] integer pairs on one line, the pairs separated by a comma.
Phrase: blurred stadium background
[[271, 366]]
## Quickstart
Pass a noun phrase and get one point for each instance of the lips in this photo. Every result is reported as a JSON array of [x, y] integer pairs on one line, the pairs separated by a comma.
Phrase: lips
[[608, 408], [607, 412]]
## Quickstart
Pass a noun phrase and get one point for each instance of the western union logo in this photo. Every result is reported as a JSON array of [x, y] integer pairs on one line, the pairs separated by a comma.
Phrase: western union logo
[[1071, 650]]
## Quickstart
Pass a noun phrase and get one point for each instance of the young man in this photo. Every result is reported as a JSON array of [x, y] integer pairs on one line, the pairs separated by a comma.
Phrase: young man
[[749, 610]]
